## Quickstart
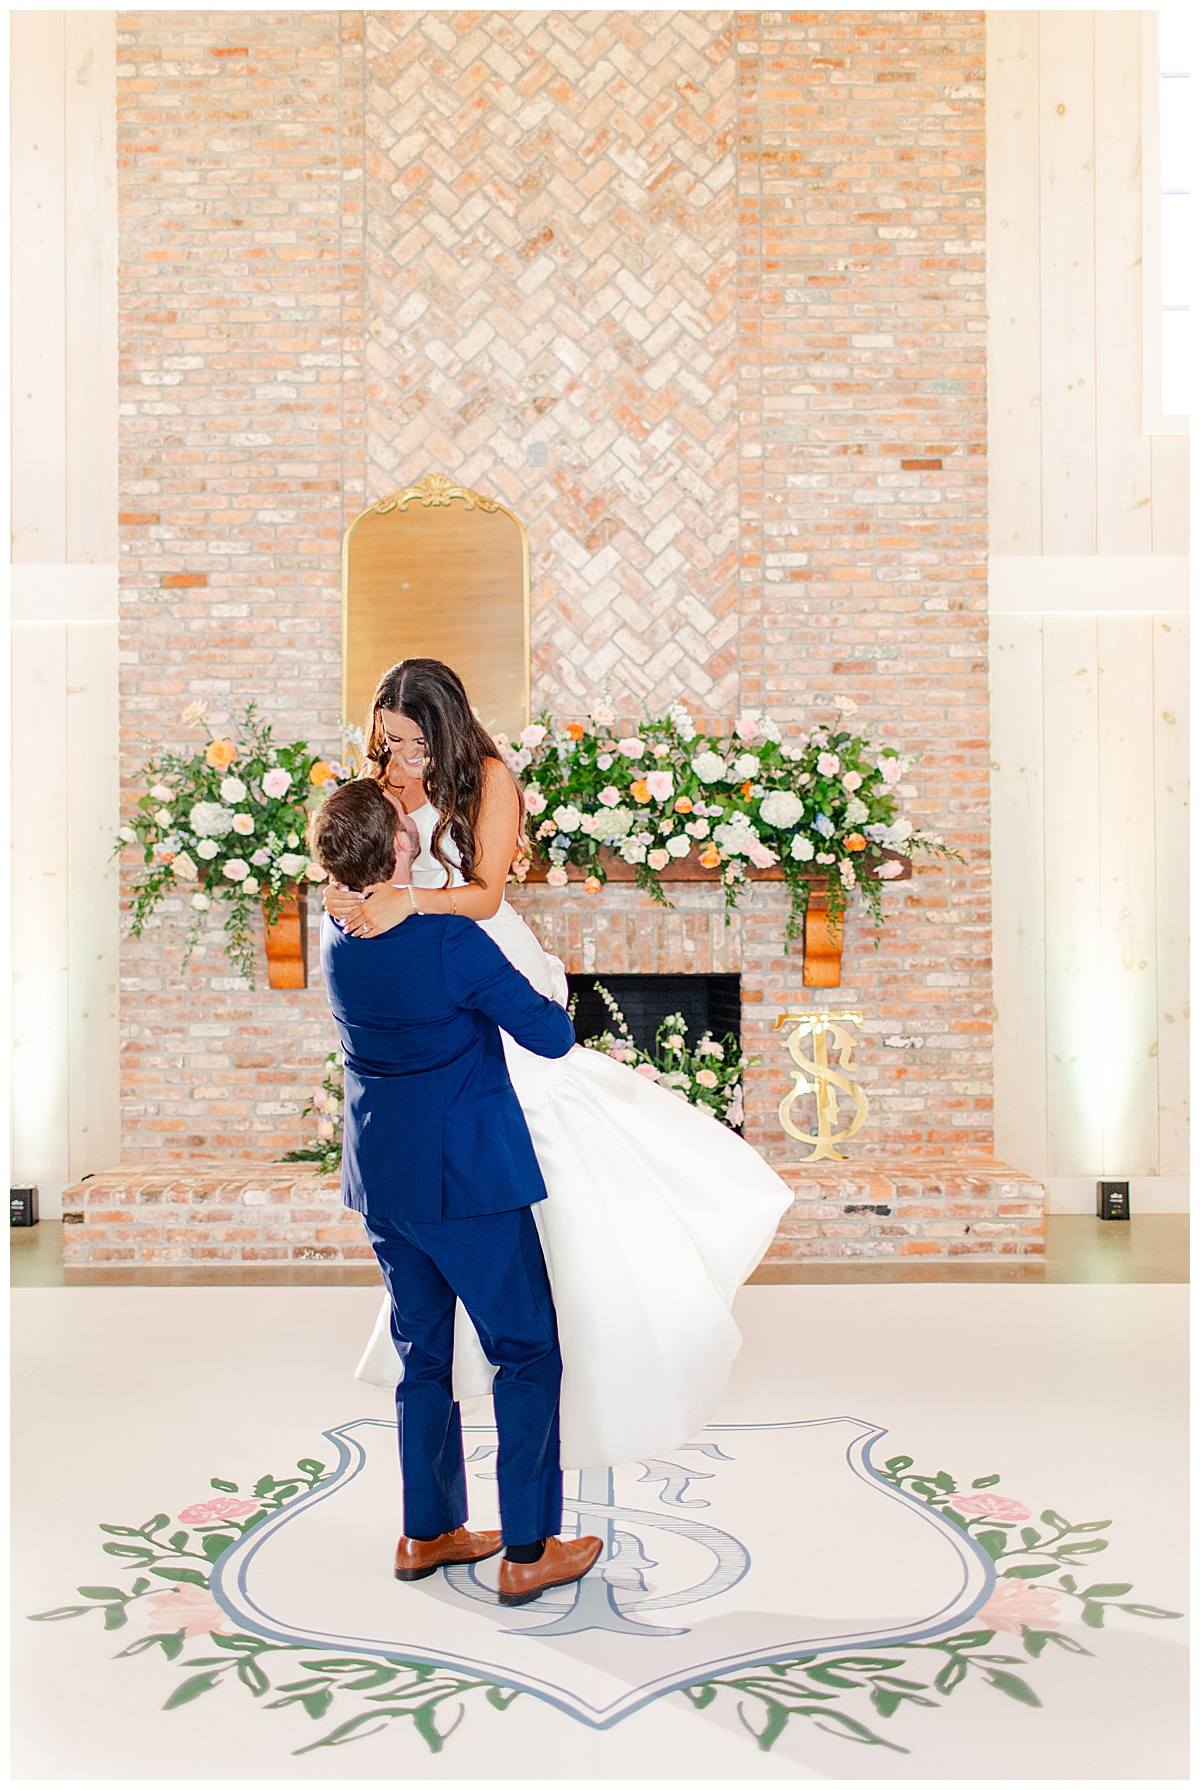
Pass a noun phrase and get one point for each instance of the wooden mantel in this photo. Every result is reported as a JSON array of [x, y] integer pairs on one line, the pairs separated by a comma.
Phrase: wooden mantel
[[822, 934]]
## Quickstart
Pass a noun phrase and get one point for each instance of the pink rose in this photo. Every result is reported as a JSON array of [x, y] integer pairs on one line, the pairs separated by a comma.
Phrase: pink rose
[[648, 1070], [535, 801], [887, 871], [661, 785], [221, 1510], [618, 1053], [829, 764], [990, 1504], [532, 736], [557, 877], [658, 859], [1014, 1605], [891, 770], [610, 796], [851, 781], [190, 1608], [276, 783], [735, 1112], [762, 856], [747, 728]]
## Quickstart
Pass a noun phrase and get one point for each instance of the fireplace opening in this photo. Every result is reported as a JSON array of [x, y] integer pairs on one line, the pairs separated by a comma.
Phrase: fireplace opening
[[708, 1004]]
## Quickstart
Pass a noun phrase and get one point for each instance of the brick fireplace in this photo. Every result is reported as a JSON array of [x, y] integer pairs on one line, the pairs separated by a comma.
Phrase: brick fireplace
[[700, 296]]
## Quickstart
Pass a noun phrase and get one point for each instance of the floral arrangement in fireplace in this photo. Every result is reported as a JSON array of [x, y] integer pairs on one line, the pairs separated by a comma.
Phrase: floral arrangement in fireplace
[[823, 806], [226, 823], [706, 1074], [326, 1106]]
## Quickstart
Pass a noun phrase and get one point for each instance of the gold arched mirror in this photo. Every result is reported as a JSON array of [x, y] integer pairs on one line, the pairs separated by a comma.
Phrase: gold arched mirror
[[438, 572]]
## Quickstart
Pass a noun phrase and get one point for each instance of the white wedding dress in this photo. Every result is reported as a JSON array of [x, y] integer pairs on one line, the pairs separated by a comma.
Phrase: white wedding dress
[[655, 1215]]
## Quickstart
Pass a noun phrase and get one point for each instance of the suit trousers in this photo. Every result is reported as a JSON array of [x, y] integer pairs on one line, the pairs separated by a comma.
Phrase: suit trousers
[[494, 1264]]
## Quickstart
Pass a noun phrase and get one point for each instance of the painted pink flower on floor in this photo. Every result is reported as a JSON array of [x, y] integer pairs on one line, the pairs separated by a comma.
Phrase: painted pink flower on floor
[[991, 1504], [221, 1510], [1014, 1606], [190, 1608]]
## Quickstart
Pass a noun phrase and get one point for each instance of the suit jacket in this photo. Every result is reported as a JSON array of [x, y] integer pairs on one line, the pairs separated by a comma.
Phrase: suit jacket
[[432, 1126]]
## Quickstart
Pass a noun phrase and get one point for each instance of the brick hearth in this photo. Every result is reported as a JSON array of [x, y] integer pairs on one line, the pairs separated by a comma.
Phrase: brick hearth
[[224, 1215]]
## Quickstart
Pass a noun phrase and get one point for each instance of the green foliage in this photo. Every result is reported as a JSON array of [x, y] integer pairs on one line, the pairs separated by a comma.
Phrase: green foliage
[[707, 1074], [209, 830], [750, 800], [326, 1106]]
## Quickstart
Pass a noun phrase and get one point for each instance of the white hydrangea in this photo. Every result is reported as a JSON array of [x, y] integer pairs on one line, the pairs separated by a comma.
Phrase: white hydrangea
[[746, 765], [684, 725], [781, 808], [769, 730], [708, 766], [634, 851], [291, 863], [568, 818], [210, 820], [856, 811], [611, 823], [735, 837]]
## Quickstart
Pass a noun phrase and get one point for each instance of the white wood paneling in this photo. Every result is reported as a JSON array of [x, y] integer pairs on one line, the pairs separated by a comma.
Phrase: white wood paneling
[[1071, 829], [1123, 522], [90, 122], [39, 389], [1070, 469], [1014, 280], [1068, 313], [41, 975], [1090, 910], [1018, 892], [1128, 967], [1044, 583], [1171, 817]]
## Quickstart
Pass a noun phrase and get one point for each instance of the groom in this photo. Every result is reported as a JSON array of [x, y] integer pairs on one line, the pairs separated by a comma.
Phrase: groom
[[438, 1159]]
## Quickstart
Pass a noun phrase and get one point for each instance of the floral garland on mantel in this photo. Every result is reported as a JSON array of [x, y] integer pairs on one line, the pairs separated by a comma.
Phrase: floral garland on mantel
[[226, 822], [823, 806]]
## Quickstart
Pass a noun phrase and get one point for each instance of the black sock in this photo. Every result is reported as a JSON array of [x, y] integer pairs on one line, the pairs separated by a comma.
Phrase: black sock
[[524, 1553]]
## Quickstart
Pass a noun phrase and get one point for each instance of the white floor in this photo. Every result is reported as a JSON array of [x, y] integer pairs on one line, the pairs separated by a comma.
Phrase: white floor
[[770, 1538]]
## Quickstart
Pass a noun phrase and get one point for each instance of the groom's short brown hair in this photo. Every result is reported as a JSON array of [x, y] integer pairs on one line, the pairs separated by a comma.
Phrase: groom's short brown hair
[[352, 835]]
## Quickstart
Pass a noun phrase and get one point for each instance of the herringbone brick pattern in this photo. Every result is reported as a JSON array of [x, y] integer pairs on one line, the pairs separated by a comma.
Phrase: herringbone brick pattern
[[550, 264]]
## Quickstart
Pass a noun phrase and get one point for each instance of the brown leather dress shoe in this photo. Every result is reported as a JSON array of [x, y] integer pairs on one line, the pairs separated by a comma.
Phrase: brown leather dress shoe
[[418, 1559], [561, 1564]]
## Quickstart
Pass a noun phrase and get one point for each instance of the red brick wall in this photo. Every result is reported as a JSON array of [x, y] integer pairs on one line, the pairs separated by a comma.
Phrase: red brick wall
[[241, 224], [690, 254]]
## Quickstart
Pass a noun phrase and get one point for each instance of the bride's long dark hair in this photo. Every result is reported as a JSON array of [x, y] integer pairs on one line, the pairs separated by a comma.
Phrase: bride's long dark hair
[[457, 748]]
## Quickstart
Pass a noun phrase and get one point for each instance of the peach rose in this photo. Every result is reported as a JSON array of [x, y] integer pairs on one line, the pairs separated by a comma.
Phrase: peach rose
[[855, 842], [592, 885], [556, 876], [220, 754], [640, 790], [321, 774], [684, 805], [1014, 1605], [190, 1608], [710, 857], [575, 731]]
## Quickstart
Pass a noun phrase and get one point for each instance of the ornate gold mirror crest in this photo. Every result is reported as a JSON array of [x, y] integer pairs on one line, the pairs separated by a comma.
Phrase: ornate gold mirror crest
[[441, 572], [824, 1028]]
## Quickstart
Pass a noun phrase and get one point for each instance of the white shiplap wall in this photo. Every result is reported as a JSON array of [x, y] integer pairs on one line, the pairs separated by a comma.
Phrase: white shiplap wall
[[1089, 639], [66, 1100]]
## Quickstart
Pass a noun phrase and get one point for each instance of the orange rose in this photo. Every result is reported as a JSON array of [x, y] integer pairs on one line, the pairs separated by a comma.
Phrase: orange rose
[[220, 754], [710, 857], [746, 788], [855, 842], [684, 805], [321, 773], [640, 791], [575, 731], [592, 885]]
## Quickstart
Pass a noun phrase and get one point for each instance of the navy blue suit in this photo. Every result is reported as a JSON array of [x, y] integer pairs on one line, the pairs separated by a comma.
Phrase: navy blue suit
[[437, 1157]]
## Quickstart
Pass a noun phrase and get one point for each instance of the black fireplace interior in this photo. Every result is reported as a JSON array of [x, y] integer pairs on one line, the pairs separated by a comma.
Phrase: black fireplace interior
[[708, 1004]]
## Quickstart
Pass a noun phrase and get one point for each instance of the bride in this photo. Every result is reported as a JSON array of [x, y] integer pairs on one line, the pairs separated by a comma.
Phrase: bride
[[656, 1213]]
